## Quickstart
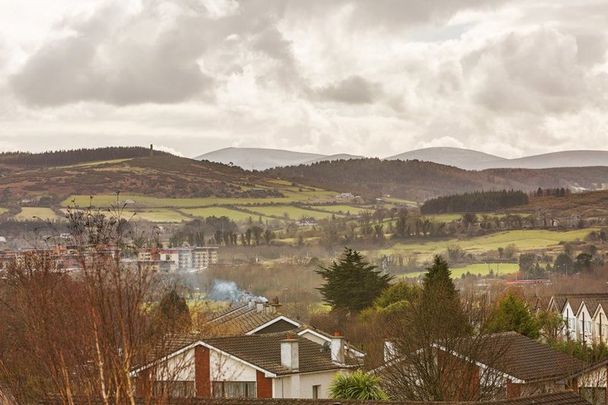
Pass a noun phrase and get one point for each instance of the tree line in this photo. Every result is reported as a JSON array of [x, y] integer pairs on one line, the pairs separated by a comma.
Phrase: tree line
[[70, 157], [478, 201]]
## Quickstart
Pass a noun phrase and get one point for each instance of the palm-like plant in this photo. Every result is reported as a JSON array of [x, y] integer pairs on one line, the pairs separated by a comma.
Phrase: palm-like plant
[[358, 385]]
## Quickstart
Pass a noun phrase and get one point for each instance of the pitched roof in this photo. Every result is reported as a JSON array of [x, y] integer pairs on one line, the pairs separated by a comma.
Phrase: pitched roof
[[575, 300], [262, 351], [530, 361], [241, 319]]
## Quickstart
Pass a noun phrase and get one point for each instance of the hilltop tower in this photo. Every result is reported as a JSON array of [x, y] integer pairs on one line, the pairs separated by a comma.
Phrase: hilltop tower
[[151, 150]]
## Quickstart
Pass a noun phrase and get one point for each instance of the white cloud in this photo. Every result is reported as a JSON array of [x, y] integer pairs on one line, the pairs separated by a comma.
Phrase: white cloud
[[366, 77]]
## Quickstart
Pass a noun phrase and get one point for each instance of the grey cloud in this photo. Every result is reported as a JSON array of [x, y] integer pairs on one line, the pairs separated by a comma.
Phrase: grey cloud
[[102, 63], [537, 72], [353, 90]]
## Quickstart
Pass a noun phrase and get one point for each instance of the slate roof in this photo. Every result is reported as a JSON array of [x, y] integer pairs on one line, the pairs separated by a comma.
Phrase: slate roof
[[531, 361]]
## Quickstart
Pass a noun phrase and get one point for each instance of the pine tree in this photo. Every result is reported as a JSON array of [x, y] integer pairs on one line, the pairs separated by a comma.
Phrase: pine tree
[[352, 284]]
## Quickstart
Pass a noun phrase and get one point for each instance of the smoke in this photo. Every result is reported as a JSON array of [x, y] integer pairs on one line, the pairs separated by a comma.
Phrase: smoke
[[222, 290]]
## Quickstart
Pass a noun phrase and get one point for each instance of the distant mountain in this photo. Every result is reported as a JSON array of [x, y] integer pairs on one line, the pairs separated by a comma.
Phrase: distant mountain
[[331, 158], [258, 158], [569, 158], [469, 159], [463, 158]]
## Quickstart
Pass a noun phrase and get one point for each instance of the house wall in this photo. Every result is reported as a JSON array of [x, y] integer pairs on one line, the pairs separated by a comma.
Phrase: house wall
[[571, 324], [600, 334], [224, 368], [178, 368], [584, 325], [300, 385]]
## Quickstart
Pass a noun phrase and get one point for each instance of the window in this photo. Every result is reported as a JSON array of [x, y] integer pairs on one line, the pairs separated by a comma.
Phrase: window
[[233, 389], [316, 391]]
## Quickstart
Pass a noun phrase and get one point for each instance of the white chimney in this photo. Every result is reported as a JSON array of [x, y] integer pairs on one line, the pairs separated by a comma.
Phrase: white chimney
[[337, 348], [259, 306], [290, 352], [389, 351], [250, 304]]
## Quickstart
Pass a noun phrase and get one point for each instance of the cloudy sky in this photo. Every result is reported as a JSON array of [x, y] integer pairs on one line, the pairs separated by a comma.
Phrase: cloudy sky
[[373, 77]]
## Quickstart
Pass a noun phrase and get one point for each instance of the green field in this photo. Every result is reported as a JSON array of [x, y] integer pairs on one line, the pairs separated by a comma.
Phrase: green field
[[291, 194], [160, 215], [341, 209], [288, 212], [480, 269], [237, 216], [29, 213], [444, 217], [523, 240]]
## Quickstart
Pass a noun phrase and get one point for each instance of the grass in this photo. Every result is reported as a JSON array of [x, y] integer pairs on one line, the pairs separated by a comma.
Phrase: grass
[[341, 209], [524, 240], [288, 212], [480, 269], [237, 216], [164, 215], [29, 213], [96, 163], [3, 210], [106, 200]]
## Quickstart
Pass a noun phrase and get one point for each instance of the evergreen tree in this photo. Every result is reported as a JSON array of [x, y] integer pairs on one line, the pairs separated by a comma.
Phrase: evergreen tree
[[173, 313], [351, 283], [512, 314]]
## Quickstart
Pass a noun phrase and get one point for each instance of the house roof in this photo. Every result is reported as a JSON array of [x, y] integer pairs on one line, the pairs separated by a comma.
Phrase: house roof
[[262, 351], [575, 300], [242, 319], [559, 398], [530, 361]]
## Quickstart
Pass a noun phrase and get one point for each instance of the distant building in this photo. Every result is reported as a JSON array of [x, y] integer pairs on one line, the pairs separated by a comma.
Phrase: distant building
[[179, 259]]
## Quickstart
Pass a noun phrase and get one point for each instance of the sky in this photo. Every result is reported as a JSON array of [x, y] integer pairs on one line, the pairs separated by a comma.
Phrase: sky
[[368, 77]]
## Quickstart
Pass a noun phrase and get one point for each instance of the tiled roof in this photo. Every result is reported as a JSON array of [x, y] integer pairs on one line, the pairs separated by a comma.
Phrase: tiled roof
[[560, 398], [575, 300], [239, 320], [529, 360], [264, 351]]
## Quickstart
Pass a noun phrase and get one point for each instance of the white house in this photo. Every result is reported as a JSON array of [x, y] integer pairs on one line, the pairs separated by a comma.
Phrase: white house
[[252, 366]]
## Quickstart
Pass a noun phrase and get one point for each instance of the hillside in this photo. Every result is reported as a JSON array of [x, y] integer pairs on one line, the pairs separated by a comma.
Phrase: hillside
[[258, 158], [467, 159], [161, 175], [418, 181]]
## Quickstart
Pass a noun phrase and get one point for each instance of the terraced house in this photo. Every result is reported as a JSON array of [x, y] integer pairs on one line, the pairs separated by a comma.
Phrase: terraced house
[[584, 316]]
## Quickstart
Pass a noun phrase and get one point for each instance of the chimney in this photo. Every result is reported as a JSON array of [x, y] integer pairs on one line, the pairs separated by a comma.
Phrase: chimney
[[290, 352], [259, 306], [250, 304], [389, 351], [337, 348]]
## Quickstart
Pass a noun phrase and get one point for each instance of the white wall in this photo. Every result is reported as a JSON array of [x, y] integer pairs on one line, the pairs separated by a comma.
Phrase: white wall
[[177, 368], [224, 368], [300, 386]]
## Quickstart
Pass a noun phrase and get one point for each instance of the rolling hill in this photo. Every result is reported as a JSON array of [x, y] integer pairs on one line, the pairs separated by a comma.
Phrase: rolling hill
[[131, 170], [258, 158], [416, 180], [331, 158]]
